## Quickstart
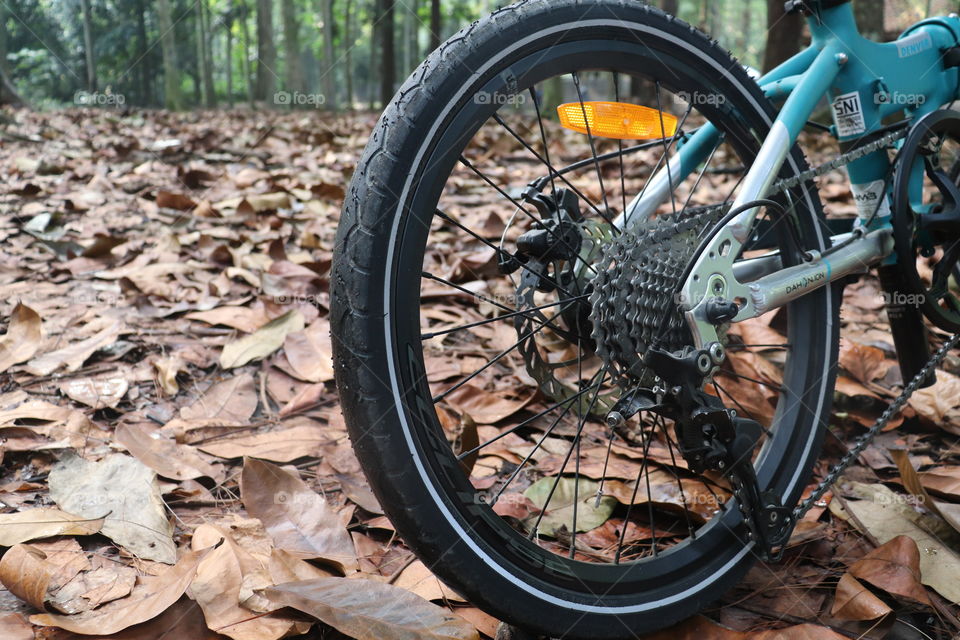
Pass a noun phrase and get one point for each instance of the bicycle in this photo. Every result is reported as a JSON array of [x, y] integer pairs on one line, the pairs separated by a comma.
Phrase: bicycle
[[566, 227]]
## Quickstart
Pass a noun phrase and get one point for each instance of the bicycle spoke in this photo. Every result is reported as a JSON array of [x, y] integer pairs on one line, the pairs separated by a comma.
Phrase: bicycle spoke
[[498, 357], [471, 232], [550, 168], [593, 149], [543, 139], [663, 136], [515, 428], [673, 462], [623, 186], [633, 499], [754, 380], [543, 439], [514, 314], [566, 459]]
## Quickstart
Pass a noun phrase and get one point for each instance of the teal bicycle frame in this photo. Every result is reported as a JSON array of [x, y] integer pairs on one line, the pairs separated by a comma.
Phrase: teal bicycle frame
[[866, 82]]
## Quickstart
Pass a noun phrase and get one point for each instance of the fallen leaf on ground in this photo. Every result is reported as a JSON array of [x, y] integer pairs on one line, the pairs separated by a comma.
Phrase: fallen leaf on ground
[[560, 508], [164, 455], [262, 342], [894, 567], [368, 610], [853, 601], [233, 400], [46, 522], [96, 393], [72, 357], [225, 578], [23, 337], [310, 353], [122, 491], [887, 515], [291, 439], [864, 363], [298, 519], [151, 597], [484, 407]]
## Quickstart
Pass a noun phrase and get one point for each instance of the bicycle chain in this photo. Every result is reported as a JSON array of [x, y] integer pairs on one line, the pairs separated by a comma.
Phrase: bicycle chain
[[864, 441]]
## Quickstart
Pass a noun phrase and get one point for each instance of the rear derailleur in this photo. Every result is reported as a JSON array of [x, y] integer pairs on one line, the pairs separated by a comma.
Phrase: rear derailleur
[[711, 438]]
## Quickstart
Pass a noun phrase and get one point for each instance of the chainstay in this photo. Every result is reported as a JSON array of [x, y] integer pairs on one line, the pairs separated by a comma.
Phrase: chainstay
[[864, 441]]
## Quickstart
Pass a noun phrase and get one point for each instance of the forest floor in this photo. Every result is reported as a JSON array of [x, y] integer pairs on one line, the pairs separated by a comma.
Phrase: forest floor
[[165, 386]]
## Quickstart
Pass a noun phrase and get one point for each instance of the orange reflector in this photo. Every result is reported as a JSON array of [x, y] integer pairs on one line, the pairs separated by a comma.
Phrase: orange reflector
[[617, 120]]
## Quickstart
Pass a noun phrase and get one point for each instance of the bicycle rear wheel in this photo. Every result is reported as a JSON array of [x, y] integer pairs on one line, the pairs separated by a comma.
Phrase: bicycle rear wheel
[[427, 326]]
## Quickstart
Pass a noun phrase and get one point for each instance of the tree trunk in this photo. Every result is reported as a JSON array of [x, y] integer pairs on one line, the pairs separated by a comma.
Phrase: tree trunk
[[329, 59], [171, 69], [293, 79], [372, 75], [670, 6], [435, 24], [208, 55], [388, 54], [204, 72], [228, 25], [145, 68], [870, 19], [88, 46], [746, 24], [266, 53], [348, 49], [783, 35], [245, 58]]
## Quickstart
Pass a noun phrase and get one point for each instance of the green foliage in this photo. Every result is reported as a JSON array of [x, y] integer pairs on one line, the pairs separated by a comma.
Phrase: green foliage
[[44, 43]]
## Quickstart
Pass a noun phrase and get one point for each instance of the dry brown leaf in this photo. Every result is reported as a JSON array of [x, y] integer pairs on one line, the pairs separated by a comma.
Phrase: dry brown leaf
[[44, 522], [298, 519], [484, 407], [241, 318], [937, 403], [23, 337], [25, 572], [72, 357], [853, 601], [13, 626], [368, 610], [96, 392], [177, 201], [309, 352], [887, 515], [262, 342], [292, 439], [182, 621], [863, 362], [125, 493], [418, 579], [151, 597], [307, 398], [233, 400], [225, 578], [895, 568], [164, 455], [167, 370]]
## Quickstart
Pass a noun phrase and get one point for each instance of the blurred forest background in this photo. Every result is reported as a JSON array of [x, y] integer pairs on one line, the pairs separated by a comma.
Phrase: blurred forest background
[[329, 54]]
